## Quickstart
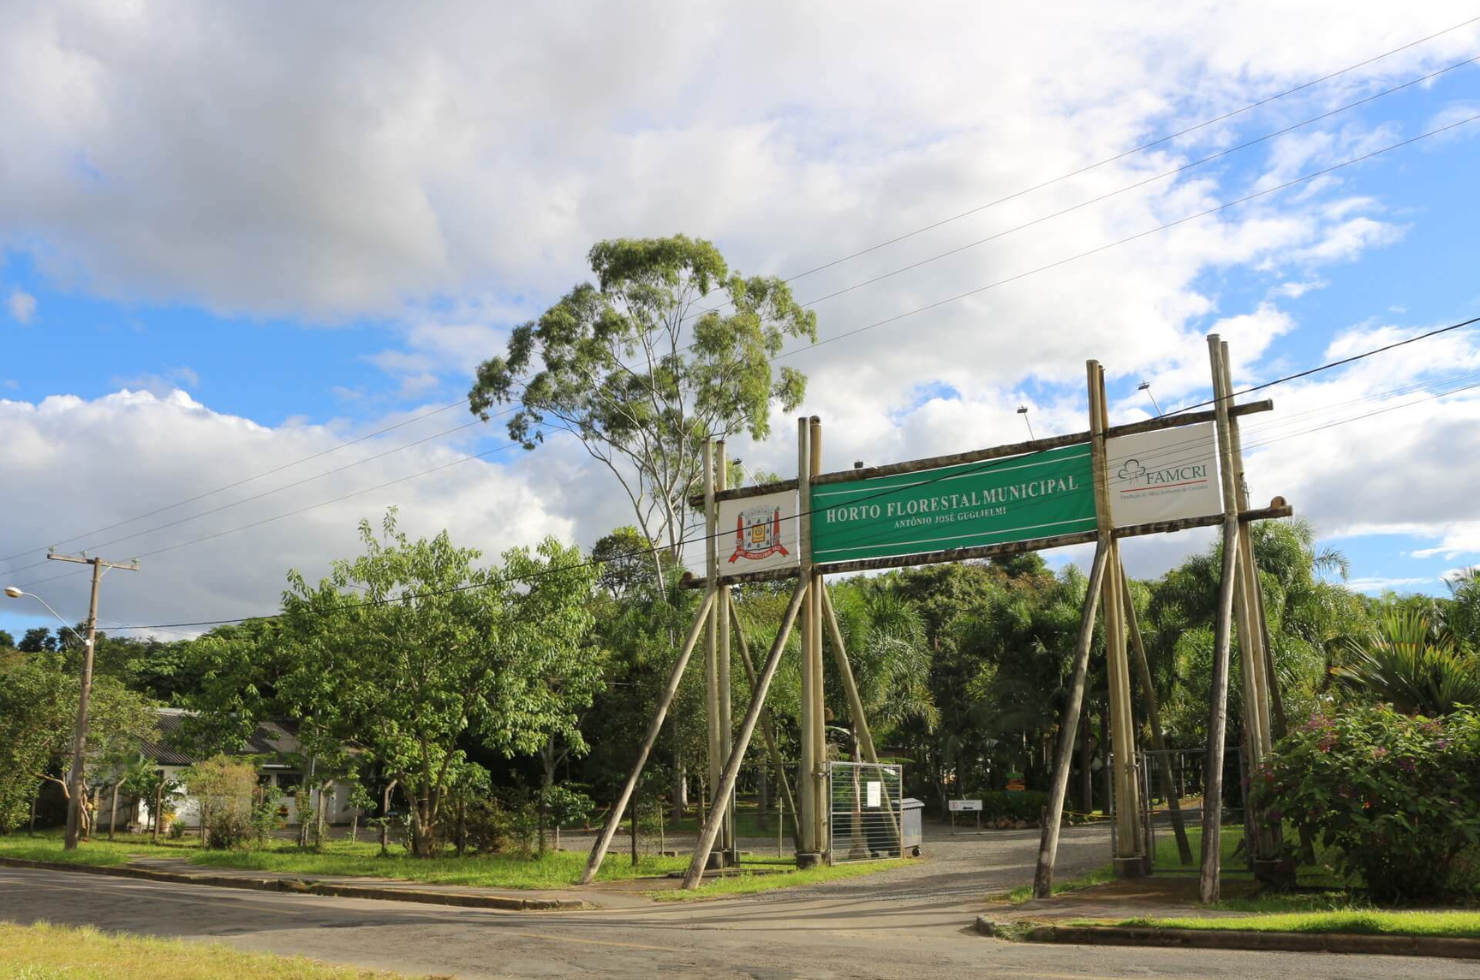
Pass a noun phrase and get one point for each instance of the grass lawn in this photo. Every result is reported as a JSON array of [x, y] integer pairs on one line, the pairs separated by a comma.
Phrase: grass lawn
[[1365, 921], [555, 870], [741, 883], [44, 952], [1089, 879]]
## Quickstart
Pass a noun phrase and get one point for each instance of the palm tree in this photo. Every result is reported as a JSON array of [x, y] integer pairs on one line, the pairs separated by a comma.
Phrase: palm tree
[[1401, 663]]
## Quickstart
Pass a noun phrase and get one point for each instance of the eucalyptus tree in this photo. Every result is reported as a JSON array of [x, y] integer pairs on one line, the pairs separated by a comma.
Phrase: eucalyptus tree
[[666, 348]]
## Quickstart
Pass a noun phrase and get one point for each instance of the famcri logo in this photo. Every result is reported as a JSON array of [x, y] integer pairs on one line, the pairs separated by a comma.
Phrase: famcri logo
[[1140, 478], [758, 534]]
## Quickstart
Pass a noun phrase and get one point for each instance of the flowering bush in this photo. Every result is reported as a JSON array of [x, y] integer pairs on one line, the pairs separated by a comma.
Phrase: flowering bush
[[1397, 796]]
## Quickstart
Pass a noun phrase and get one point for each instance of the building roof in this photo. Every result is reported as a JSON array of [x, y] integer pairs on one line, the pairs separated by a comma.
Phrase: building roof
[[269, 738]]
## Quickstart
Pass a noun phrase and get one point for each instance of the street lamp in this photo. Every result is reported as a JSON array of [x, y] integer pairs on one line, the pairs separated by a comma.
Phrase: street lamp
[[1146, 387], [15, 593], [79, 739], [1023, 411]]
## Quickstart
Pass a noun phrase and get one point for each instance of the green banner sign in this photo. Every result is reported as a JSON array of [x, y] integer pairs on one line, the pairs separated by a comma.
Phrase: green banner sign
[[1018, 498]]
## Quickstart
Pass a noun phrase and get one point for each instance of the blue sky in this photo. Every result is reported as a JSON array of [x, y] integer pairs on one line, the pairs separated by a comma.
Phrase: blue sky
[[327, 269]]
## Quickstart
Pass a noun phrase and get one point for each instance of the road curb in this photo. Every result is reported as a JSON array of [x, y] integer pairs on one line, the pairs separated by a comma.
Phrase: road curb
[[310, 886], [1287, 942]]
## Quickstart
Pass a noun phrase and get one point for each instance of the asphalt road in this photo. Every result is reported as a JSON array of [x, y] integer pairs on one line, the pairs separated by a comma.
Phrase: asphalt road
[[915, 923]]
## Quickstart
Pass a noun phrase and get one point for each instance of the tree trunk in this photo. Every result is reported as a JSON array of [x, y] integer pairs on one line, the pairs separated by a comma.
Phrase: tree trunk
[[158, 803], [113, 810], [680, 784], [385, 818], [354, 827], [89, 812], [1086, 766], [321, 823], [462, 826], [762, 787], [635, 811], [35, 800]]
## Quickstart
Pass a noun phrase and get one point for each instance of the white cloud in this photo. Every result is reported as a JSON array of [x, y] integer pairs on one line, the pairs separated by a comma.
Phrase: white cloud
[[1295, 290], [115, 442], [1379, 448], [445, 169], [22, 306], [1376, 585]]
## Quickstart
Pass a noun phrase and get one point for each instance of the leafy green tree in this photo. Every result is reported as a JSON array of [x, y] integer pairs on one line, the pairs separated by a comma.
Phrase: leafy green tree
[[425, 649], [38, 714], [636, 369], [885, 638], [38, 639], [7, 642]]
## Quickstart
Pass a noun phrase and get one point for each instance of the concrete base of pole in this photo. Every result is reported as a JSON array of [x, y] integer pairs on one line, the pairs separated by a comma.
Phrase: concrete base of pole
[[716, 861], [808, 859], [1131, 867]]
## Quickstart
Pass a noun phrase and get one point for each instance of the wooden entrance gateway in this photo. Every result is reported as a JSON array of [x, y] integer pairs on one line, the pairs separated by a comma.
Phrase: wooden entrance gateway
[[1101, 485]]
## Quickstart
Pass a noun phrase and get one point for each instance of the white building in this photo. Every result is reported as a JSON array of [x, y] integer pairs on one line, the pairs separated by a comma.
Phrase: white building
[[273, 743]]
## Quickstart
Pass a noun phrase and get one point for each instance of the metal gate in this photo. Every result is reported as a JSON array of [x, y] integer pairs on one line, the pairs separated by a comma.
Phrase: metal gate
[[864, 812], [1172, 786]]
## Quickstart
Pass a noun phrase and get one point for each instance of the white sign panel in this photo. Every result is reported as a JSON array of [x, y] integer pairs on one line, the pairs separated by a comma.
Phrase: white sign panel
[[962, 806], [1164, 475], [758, 534], [875, 793]]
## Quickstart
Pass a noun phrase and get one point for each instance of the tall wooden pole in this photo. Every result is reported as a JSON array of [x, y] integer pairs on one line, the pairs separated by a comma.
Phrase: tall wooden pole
[[1129, 859], [768, 733], [604, 840], [1264, 842], [1248, 578], [820, 795], [726, 786], [77, 776], [808, 855], [711, 632], [1153, 717], [724, 665], [1048, 845], [1212, 815]]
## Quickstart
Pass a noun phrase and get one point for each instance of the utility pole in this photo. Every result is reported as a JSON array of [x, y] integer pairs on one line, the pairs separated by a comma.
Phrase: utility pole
[[79, 739]]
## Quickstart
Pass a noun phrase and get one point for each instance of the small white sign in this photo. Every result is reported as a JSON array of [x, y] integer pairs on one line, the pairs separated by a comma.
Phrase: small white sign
[[875, 793], [964, 806], [758, 534], [1164, 475]]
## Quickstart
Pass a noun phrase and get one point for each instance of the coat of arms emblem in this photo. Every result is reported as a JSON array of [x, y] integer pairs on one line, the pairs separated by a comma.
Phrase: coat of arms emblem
[[758, 534]]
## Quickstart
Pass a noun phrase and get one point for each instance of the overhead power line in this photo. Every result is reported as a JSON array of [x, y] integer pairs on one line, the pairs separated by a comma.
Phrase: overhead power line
[[269, 493], [647, 552], [304, 510], [1140, 183], [1186, 131], [963, 214], [1130, 238], [242, 482]]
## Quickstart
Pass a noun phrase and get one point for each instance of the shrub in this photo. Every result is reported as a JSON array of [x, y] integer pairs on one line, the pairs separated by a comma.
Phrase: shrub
[[224, 788], [1397, 796], [487, 826]]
